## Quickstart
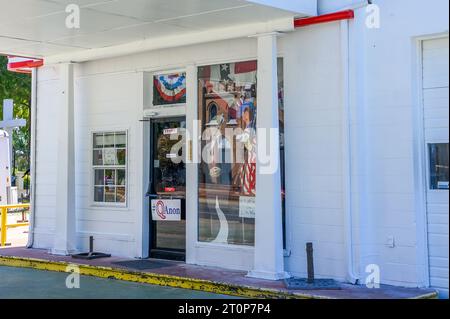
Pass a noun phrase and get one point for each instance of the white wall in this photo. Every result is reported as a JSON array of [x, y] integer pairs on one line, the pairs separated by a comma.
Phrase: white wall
[[384, 165], [386, 76], [46, 156], [109, 95], [107, 103], [327, 6], [313, 111]]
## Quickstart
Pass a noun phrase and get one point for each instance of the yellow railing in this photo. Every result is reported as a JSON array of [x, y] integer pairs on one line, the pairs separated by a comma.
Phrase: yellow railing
[[4, 215]]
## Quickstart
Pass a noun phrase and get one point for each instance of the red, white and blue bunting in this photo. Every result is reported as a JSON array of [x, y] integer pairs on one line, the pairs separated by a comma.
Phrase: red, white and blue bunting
[[171, 88]]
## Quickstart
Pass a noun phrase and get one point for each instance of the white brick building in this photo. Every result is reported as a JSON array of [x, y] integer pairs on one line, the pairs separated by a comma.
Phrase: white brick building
[[365, 113]]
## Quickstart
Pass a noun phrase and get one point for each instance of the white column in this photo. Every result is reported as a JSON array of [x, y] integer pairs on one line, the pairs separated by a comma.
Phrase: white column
[[64, 243], [268, 260]]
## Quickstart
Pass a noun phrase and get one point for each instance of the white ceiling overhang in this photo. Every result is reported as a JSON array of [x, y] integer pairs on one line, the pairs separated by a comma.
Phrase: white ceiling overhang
[[37, 28]]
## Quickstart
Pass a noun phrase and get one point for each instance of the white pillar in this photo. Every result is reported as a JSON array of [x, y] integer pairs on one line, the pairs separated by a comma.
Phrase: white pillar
[[268, 260], [64, 243]]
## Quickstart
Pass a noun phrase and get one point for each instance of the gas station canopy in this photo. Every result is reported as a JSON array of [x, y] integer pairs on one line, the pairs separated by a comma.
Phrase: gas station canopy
[[37, 28]]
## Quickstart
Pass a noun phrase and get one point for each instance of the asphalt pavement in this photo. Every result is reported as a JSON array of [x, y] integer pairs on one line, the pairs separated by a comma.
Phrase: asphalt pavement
[[24, 283]]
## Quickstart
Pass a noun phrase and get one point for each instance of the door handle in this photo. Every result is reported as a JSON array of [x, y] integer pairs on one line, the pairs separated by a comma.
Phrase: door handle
[[149, 191]]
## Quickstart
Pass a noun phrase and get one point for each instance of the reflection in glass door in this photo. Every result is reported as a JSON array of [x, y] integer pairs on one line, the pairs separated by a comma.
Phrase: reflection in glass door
[[167, 190]]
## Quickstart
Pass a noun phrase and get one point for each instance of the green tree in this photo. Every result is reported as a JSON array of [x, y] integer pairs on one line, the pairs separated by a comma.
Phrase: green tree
[[17, 86]]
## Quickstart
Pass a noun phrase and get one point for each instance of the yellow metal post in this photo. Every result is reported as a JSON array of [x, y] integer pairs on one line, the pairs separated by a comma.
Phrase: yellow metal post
[[4, 211], [4, 219]]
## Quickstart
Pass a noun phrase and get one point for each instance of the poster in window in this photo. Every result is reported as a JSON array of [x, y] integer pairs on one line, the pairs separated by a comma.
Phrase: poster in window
[[247, 207], [109, 156], [169, 89], [166, 209]]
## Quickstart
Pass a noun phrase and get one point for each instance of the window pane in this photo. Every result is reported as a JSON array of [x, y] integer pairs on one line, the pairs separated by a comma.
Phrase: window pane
[[110, 177], [98, 140], [109, 140], [120, 194], [121, 155], [110, 194], [98, 157], [120, 177], [121, 140], [439, 162], [227, 175], [99, 177], [98, 194]]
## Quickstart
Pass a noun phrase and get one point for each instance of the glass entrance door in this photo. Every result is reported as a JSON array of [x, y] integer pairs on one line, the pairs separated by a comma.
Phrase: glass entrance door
[[167, 191]]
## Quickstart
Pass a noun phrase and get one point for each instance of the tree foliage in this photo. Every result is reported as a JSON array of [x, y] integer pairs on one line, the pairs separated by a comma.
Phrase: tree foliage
[[17, 86]]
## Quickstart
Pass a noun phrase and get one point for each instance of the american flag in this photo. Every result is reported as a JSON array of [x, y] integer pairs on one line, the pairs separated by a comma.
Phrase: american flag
[[248, 171]]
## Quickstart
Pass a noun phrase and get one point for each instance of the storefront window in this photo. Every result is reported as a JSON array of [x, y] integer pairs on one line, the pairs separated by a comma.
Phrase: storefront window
[[227, 172], [109, 165]]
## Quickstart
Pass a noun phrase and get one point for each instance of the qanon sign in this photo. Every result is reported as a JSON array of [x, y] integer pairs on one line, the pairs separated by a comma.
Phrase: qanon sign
[[166, 209]]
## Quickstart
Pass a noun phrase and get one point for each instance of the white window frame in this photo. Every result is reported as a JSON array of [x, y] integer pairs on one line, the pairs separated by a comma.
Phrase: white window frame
[[114, 167]]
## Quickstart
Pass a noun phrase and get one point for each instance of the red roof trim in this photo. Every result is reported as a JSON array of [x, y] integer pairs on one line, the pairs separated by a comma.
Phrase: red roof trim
[[341, 15]]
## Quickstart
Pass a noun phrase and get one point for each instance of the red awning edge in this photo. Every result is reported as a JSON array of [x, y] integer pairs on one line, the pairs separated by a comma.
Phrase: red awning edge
[[23, 65], [336, 16]]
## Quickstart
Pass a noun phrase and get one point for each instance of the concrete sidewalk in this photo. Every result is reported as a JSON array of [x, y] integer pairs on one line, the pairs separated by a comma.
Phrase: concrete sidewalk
[[209, 279]]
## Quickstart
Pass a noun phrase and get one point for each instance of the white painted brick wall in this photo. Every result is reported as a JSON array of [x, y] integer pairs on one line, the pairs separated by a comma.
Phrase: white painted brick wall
[[106, 97], [313, 113]]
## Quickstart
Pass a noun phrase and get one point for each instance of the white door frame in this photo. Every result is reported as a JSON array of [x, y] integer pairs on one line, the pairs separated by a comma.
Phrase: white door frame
[[143, 242], [421, 161]]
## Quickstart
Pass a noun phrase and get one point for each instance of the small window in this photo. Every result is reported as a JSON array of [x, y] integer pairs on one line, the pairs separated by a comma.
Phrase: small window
[[109, 165], [438, 165], [212, 111]]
